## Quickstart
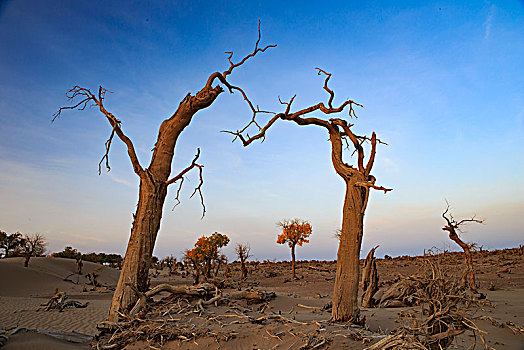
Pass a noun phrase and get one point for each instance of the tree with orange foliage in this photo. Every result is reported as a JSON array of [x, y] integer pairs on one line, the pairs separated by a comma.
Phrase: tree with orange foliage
[[205, 252], [294, 232]]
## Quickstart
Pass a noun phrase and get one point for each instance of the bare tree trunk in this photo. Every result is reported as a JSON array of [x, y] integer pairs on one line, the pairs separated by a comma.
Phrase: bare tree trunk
[[153, 190], [345, 300], [139, 252], [293, 262], [452, 227], [26, 261], [469, 276], [243, 268]]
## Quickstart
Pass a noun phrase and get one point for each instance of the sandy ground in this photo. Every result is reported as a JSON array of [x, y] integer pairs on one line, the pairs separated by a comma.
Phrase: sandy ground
[[22, 290]]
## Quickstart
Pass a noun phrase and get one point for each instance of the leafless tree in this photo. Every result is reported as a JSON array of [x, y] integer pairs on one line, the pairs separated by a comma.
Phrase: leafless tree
[[170, 262], [156, 178], [453, 227], [32, 245], [358, 180], [243, 251]]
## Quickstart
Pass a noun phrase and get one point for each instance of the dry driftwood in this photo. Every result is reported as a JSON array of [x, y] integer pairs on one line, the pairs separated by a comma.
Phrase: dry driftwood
[[443, 312], [401, 293], [92, 279], [60, 301], [173, 317], [369, 279], [201, 290]]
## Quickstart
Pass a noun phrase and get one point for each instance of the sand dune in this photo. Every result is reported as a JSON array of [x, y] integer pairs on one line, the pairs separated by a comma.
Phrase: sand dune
[[45, 274], [23, 290]]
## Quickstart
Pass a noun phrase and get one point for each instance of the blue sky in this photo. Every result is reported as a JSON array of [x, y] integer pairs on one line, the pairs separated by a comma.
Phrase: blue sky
[[442, 83]]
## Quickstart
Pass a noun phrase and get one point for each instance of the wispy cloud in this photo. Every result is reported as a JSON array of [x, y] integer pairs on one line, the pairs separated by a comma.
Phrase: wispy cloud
[[488, 22], [120, 181]]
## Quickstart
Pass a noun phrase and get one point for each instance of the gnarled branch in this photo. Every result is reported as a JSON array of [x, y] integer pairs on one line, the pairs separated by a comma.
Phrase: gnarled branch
[[180, 177], [86, 96]]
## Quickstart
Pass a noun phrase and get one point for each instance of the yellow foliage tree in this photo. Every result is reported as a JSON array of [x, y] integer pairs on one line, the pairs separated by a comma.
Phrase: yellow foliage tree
[[294, 232], [205, 252]]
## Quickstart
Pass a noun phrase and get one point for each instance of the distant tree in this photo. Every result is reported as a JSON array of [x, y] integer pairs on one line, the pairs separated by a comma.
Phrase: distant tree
[[243, 253], [205, 252], [32, 245], [170, 262], [453, 227], [3, 239], [294, 232], [10, 242], [113, 260], [67, 253]]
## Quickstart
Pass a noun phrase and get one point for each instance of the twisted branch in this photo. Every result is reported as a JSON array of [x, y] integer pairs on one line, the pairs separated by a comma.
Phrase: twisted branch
[[255, 51], [180, 177], [86, 96]]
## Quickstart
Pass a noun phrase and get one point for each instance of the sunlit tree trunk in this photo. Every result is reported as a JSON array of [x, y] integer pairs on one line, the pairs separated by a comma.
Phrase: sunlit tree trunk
[[152, 194], [345, 301]]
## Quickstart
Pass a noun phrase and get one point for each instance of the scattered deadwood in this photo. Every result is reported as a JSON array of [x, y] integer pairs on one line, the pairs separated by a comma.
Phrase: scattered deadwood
[[369, 279], [317, 268], [202, 290], [401, 293], [92, 279], [60, 302], [314, 342], [173, 317], [515, 328], [443, 313]]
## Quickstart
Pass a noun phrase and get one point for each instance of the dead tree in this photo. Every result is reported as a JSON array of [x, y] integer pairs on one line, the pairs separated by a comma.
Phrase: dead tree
[[79, 265], [32, 245], [453, 227], [358, 180], [243, 253], [170, 262], [369, 279], [156, 178]]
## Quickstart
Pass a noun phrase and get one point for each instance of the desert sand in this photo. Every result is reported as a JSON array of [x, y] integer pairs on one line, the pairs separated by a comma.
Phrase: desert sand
[[23, 290]]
